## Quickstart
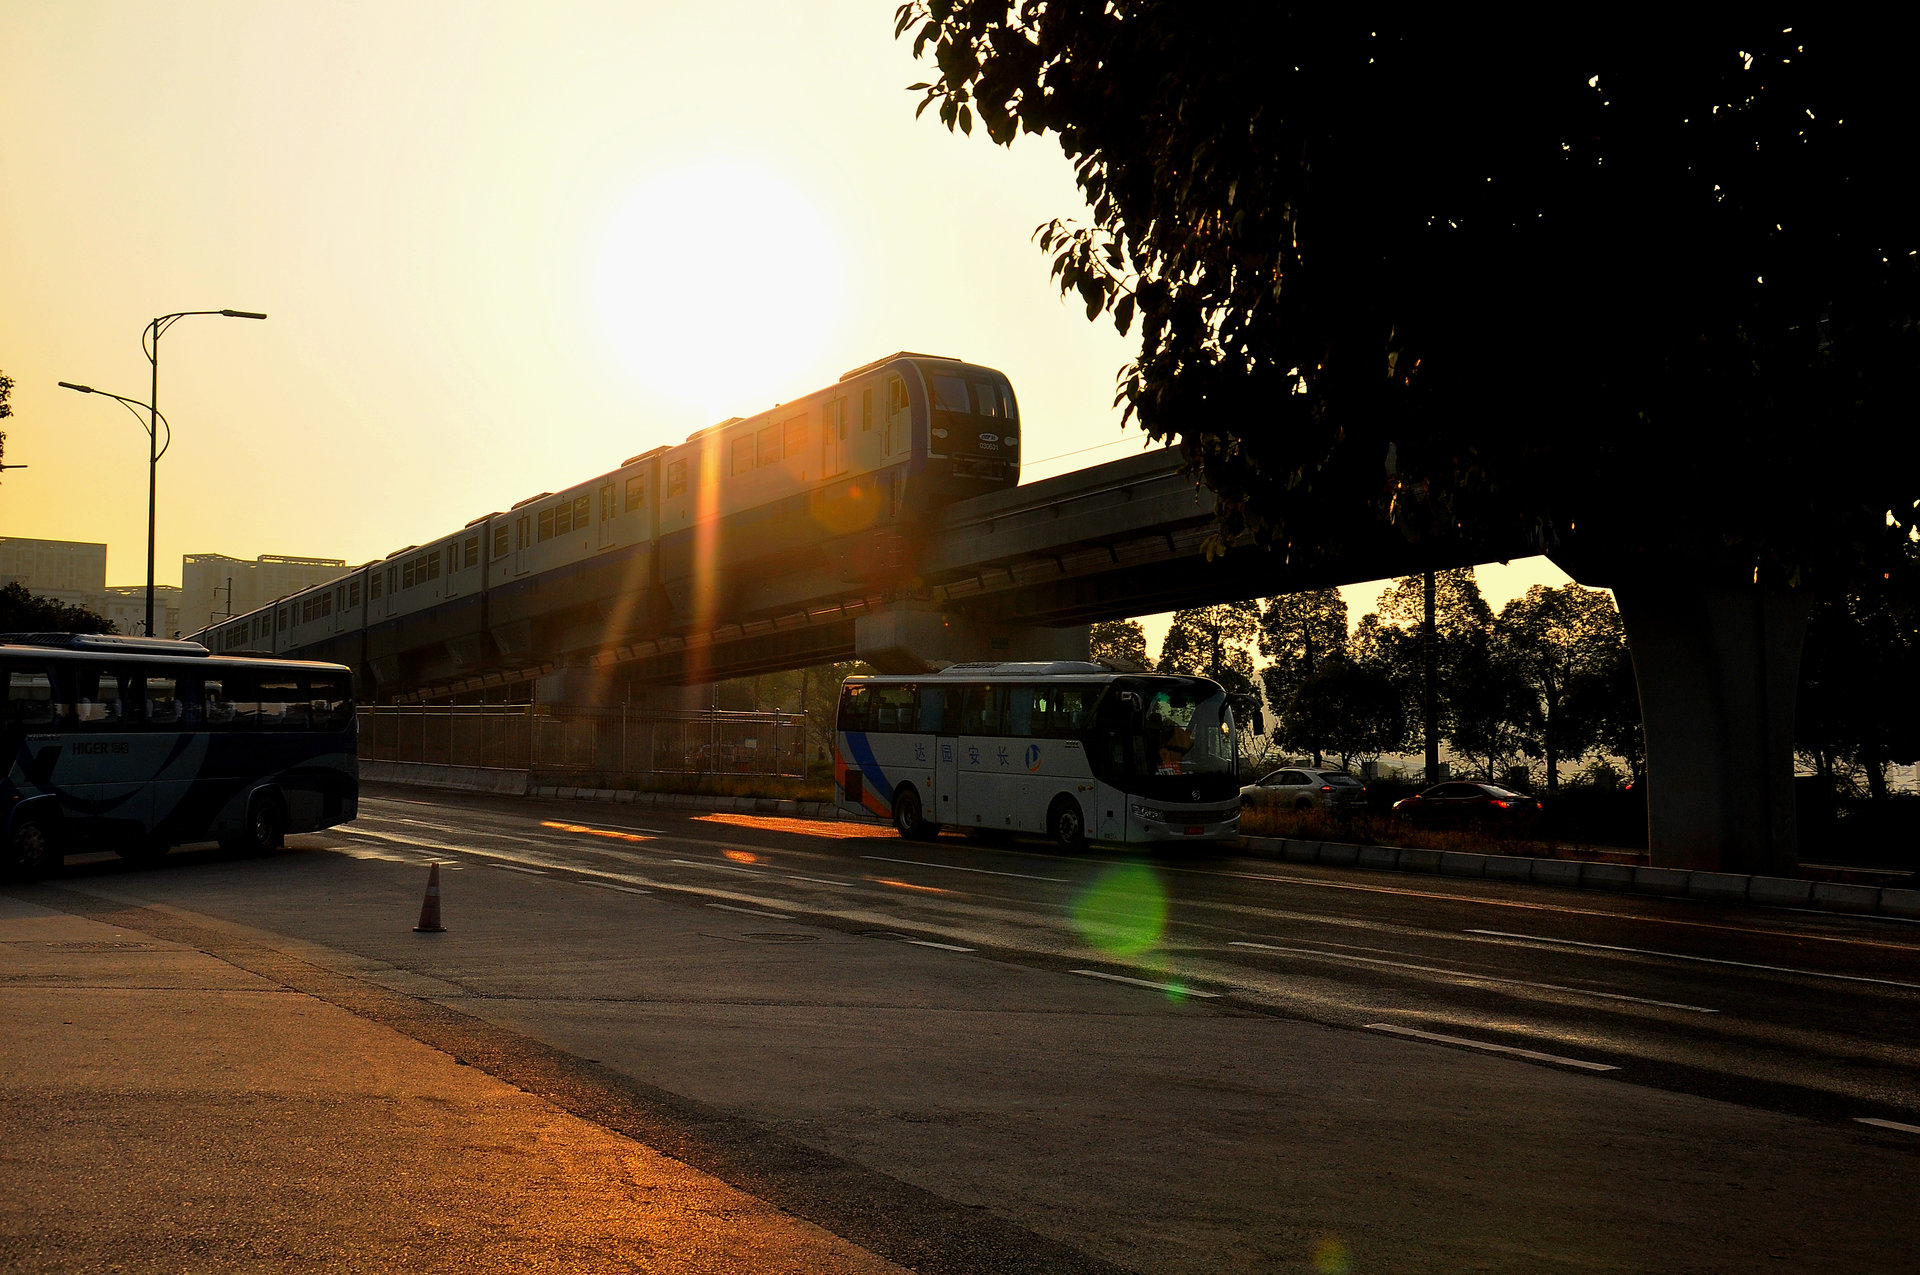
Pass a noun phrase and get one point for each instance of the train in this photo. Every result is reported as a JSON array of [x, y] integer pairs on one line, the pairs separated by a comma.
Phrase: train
[[744, 519]]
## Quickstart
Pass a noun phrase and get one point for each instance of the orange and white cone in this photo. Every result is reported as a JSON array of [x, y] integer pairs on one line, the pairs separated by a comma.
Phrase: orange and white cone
[[430, 906]]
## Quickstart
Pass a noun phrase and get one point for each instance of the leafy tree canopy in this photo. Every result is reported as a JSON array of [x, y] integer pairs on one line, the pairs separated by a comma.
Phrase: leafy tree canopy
[[24, 612], [1213, 642], [1608, 291], [1554, 640], [1121, 643]]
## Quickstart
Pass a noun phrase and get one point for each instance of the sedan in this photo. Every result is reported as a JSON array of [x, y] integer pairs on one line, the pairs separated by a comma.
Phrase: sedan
[[1298, 788], [1460, 802]]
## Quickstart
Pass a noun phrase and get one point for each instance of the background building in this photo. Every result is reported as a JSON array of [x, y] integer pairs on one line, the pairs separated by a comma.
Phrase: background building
[[213, 585], [69, 571], [126, 606]]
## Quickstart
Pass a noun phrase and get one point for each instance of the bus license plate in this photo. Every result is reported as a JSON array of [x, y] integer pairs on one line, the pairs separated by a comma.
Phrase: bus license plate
[[1195, 831]]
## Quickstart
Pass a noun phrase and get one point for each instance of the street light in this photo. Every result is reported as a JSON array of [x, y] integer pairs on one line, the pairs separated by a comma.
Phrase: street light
[[150, 346], [154, 455]]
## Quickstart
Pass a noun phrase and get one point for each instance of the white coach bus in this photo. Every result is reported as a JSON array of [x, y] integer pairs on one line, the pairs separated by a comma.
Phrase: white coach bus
[[1073, 751]]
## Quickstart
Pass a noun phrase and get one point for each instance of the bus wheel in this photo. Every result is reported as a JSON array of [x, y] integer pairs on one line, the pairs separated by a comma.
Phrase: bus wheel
[[1066, 825], [908, 820], [266, 827], [31, 852]]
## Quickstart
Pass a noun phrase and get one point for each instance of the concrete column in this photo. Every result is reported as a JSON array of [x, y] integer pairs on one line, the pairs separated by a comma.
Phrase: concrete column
[[911, 639], [1718, 667]]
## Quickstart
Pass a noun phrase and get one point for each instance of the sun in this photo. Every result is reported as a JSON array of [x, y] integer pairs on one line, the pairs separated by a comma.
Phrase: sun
[[716, 283]]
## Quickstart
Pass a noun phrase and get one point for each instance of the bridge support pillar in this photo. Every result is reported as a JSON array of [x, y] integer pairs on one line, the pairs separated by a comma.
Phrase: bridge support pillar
[[1718, 667], [911, 639]]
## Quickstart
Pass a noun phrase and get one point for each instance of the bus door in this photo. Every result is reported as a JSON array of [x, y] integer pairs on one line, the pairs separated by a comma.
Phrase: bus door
[[939, 719]]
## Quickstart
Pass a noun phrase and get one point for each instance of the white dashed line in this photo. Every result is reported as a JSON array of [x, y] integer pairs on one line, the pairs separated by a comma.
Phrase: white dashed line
[[1533, 1054], [723, 867], [728, 907], [511, 867], [624, 889], [1703, 960], [1338, 958], [944, 947], [1888, 1124], [1176, 989], [954, 867]]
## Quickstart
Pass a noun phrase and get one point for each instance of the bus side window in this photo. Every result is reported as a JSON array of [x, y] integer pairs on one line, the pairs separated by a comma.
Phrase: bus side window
[[332, 700], [934, 717], [853, 708], [980, 711], [1020, 710], [892, 708], [30, 699], [212, 707], [96, 697], [241, 690], [161, 700], [1072, 710], [283, 703]]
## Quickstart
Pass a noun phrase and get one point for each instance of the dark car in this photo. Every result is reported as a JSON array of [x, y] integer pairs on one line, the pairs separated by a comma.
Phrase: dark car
[[1462, 802]]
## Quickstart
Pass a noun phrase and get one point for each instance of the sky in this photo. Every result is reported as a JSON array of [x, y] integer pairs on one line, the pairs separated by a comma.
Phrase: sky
[[502, 247]]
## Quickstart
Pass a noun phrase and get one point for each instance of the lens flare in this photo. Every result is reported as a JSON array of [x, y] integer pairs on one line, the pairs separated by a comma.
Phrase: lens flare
[[1124, 912], [1330, 1256]]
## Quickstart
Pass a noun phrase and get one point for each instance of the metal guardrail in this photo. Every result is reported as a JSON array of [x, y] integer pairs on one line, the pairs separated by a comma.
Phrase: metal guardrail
[[615, 741]]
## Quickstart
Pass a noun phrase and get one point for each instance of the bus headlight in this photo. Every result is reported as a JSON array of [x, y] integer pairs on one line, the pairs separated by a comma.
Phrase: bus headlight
[[1148, 813]]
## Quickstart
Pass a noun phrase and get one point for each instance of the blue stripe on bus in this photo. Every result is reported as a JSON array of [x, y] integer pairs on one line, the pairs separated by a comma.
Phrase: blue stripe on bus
[[862, 753]]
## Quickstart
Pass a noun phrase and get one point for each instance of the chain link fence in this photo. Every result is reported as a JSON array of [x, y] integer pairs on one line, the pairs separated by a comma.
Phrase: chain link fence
[[612, 742]]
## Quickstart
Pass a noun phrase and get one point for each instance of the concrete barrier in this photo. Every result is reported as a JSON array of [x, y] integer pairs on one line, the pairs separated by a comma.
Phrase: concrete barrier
[[1507, 867], [1339, 854], [1898, 902], [1413, 859], [1718, 887], [1668, 881], [1379, 856], [1462, 863], [1836, 896], [1780, 892], [1608, 876], [1558, 871]]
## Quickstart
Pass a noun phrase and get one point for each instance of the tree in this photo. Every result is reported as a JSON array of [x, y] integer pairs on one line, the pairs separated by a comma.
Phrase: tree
[[1346, 707], [1495, 719], [1299, 632], [1212, 642], [25, 612], [1373, 254], [1860, 681], [1608, 699], [1120, 643], [1553, 638]]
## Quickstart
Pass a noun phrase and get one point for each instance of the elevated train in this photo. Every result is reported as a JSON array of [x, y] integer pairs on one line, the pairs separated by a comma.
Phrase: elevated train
[[743, 519]]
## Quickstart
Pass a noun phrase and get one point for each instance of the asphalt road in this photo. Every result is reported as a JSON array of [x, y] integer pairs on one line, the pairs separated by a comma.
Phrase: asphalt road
[[968, 1055]]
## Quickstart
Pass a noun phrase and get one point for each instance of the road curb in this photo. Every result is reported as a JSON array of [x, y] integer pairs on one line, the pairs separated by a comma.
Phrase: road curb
[[1671, 883]]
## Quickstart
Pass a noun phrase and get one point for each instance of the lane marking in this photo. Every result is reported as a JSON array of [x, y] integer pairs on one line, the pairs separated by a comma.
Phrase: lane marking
[[514, 867], [1860, 916], [624, 889], [1337, 957], [1887, 1124], [944, 947], [1175, 989], [822, 881], [954, 867], [728, 907], [1703, 960], [1490, 1047], [1555, 907]]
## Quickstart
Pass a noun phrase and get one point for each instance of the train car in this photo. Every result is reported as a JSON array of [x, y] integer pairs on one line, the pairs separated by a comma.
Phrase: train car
[[744, 519]]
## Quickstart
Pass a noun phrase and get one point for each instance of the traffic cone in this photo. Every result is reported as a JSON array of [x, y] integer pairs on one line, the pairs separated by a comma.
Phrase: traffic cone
[[430, 906]]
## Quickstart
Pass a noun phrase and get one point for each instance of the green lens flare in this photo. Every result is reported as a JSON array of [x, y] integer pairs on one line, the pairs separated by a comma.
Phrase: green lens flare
[[1123, 913], [1330, 1256]]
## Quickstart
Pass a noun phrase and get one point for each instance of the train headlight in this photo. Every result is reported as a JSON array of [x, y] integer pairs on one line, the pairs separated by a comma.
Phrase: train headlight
[[939, 433]]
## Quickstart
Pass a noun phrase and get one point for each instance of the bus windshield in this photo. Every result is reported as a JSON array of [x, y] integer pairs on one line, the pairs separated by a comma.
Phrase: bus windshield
[[1157, 733]]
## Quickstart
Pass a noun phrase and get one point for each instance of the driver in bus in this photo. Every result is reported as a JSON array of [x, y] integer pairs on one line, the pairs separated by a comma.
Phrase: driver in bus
[[1171, 740]]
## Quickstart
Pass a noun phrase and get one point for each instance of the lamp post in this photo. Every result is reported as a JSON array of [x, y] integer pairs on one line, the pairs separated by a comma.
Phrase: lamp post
[[154, 453], [150, 346]]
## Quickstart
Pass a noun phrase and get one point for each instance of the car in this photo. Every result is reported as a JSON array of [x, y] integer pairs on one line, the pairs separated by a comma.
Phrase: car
[[1461, 802], [1305, 788]]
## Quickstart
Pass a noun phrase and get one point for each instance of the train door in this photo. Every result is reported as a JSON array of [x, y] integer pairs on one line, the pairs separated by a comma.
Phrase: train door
[[604, 533], [833, 439], [897, 437], [523, 544]]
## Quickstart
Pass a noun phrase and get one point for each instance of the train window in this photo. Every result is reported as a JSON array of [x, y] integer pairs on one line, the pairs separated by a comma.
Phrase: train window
[[546, 524], [353, 594], [30, 698], [866, 409], [988, 401], [676, 477], [500, 541], [472, 548], [742, 455], [582, 512], [793, 436], [896, 396], [636, 492], [433, 565], [562, 518], [373, 586], [767, 445], [950, 394], [406, 574], [282, 617]]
